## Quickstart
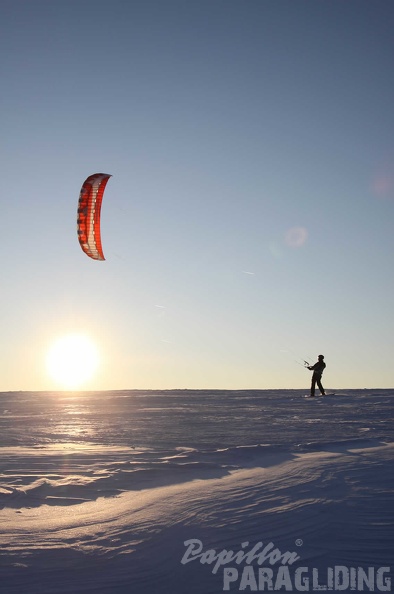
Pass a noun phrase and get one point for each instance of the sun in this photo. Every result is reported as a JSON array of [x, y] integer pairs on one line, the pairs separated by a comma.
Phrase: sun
[[72, 360]]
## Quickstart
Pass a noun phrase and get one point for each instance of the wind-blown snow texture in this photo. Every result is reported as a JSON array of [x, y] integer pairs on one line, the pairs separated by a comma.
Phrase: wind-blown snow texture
[[99, 491]]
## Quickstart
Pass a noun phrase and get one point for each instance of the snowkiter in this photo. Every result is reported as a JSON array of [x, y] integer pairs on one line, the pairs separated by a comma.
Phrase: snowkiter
[[317, 369]]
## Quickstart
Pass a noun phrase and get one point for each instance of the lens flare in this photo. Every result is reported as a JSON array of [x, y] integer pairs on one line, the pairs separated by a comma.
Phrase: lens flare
[[296, 237]]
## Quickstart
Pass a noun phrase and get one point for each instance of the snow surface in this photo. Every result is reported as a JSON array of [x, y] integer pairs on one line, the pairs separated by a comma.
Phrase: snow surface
[[100, 491]]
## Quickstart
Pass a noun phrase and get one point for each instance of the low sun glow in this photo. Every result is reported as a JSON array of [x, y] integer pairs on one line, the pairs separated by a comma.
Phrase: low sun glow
[[72, 360]]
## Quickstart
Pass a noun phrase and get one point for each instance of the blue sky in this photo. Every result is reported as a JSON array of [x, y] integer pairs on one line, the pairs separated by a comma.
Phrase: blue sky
[[249, 220]]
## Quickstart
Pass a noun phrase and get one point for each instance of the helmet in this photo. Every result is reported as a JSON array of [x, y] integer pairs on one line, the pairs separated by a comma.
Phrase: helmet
[[321, 357]]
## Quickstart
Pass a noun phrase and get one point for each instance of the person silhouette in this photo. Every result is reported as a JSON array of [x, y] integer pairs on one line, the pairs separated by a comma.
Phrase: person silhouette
[[317, 369]]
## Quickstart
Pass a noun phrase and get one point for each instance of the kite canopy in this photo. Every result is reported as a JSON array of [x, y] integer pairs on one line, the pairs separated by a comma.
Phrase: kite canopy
[[89, 208]]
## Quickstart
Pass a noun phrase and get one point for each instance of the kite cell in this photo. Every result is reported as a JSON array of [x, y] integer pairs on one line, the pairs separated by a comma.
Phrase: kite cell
[[89, 208]]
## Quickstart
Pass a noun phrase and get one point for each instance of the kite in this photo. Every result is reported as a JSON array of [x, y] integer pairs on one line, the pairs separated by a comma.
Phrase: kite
[[89, 208]]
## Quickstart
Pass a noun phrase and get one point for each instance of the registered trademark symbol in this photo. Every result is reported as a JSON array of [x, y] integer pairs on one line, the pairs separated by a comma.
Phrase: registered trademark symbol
[[299, 542]]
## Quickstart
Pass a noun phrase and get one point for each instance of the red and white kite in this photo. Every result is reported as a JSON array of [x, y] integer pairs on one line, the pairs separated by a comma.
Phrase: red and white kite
[[89, 208]]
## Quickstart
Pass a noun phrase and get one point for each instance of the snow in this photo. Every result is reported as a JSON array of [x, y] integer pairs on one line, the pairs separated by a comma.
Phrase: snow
[[99, 492]]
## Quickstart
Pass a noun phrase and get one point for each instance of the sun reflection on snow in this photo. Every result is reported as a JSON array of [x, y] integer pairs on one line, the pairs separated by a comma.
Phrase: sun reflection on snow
[[74, 423]]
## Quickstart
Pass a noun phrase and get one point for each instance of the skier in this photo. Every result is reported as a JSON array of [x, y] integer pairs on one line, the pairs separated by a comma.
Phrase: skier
[[317, 369]]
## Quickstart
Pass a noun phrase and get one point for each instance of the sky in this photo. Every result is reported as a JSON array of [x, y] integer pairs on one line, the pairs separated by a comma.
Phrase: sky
[[249, 220]]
